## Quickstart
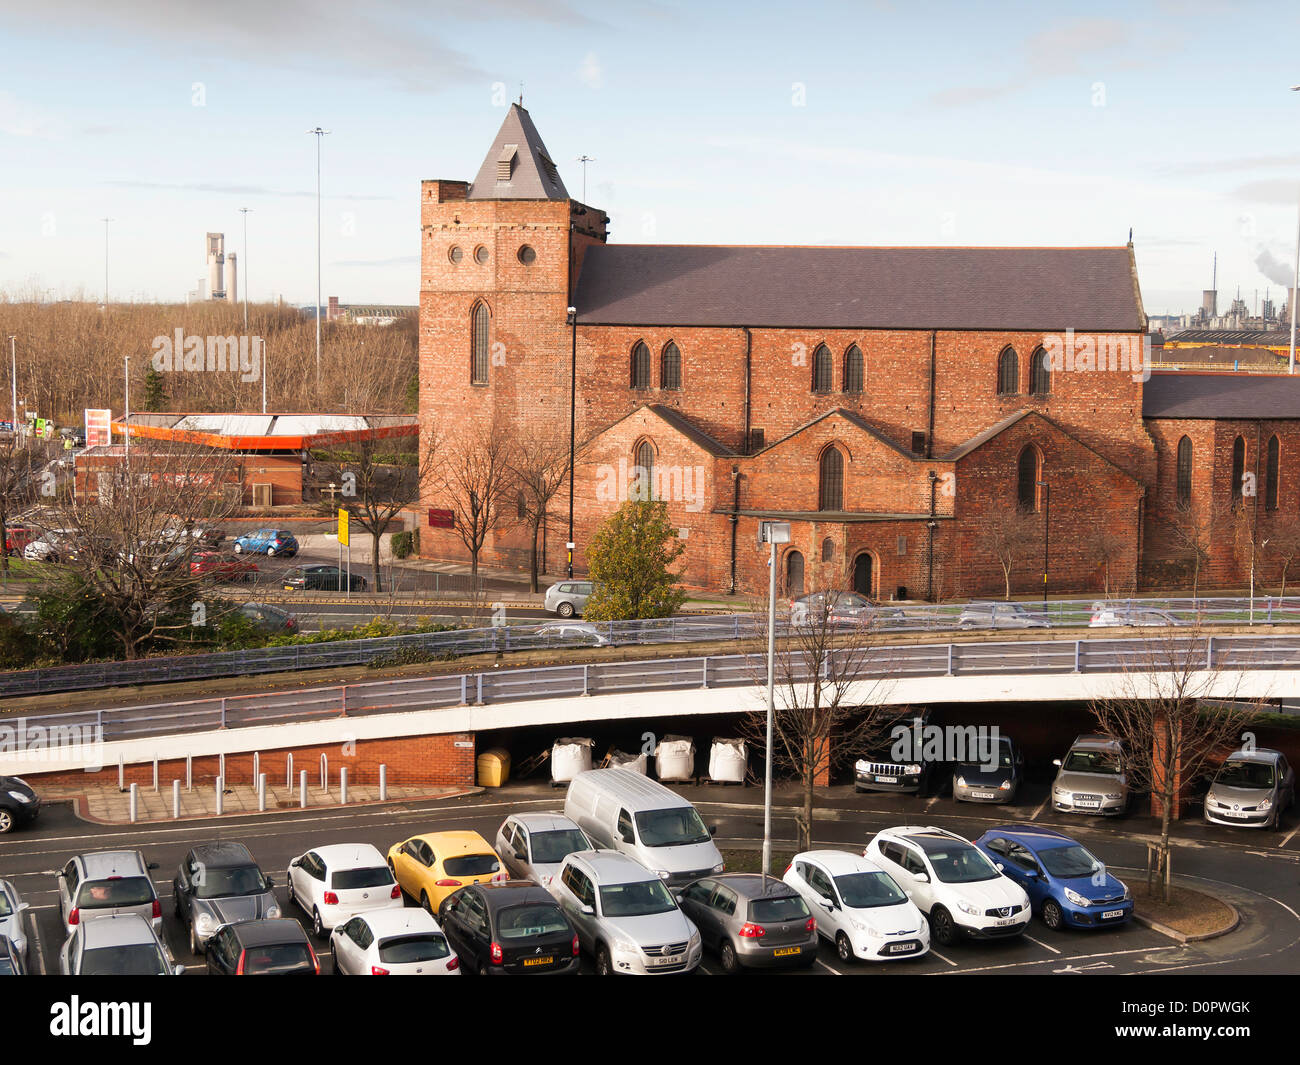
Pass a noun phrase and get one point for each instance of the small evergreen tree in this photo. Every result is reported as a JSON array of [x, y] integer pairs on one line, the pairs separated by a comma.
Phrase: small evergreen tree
[[629, 560], [155, 396]]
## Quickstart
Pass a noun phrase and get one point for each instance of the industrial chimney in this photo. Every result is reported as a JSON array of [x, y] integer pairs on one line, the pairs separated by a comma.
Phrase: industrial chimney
[[1210, 303], [216, 266]]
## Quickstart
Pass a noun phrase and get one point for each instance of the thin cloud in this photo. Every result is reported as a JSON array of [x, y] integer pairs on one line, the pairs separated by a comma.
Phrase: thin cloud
[[397, 260], [1227, 166], [589, 71], [18, 118], [233, 190], [1276, 191]]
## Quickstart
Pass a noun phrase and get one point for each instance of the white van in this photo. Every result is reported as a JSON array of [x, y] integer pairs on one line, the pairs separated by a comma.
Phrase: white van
[[639, 817]]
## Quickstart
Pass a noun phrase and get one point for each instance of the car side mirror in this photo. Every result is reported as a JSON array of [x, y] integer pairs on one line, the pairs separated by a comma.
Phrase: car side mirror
[[295, 863], [829, 904], [1056, 761], [921, 878], [999, 867], [178, 970], [269, 882], [152, 865], [713, 830], [24, 906], [588, 910], [1033, 874], [520, 855]]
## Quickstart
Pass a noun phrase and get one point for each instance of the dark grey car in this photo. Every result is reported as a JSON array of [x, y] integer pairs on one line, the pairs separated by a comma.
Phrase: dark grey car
[[1253, 788], [996, 780], [751, 921], [217, 884]]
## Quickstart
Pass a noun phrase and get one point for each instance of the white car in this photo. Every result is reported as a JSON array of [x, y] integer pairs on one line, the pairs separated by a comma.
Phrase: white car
[[859, 907], [12, 909], [406, 942], [952, 883], [532, 845], [331, 884]]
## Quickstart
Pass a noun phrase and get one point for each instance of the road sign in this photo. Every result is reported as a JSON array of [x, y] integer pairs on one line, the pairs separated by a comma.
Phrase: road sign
[[40, 426], [99, 427], [343, 528], [441, 519]]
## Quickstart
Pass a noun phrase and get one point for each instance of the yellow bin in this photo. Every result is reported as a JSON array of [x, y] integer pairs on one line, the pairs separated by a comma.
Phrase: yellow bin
[[493, 767]]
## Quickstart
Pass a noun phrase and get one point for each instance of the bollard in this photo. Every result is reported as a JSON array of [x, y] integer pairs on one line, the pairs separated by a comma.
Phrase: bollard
[[189, 772], [261, 792], [221, 767], [155, 772], [324, 774], [221, 797], [135, 798], [176, 798], [121, 774], [383, 783], [288, 776], [257, 764], [343, 786], [302, 790]]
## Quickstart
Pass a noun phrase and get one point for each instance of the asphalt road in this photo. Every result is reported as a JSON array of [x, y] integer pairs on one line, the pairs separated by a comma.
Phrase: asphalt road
[[1257, 872]]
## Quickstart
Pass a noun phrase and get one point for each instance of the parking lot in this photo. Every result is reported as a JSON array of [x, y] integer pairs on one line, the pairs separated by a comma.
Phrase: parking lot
[[1254, 871]]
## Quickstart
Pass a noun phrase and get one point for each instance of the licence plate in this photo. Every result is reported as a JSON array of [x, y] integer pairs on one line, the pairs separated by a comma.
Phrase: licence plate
[[538, 961], [288, 587], [1236, 813], [674, 960], [885, 780], [1088, 804], [984, 795], [901, 948], [785, 952], [1006, 922], [1112, 913]]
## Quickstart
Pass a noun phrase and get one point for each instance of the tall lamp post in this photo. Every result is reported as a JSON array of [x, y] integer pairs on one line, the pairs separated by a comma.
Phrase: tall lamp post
[[772, 533], [106, 221], [318, 133], [573, 405], [244, 211], [13, 377], [126, 417], [1295, 283], [1047, 524]]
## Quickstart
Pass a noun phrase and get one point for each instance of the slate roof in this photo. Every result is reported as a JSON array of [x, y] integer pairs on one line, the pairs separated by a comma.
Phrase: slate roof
[[517, 166], [1221, 395]]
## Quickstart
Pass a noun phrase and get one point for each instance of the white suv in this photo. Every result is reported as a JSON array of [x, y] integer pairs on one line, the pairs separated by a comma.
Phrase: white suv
[[625, 915], [952, 882]]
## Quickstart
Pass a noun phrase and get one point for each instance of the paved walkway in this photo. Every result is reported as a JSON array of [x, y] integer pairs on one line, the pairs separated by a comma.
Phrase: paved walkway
[[106, 805]]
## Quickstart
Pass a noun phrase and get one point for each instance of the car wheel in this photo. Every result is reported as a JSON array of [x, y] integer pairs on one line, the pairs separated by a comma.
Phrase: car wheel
[[6, 821], [941, 926], [270, 552], [565, 610], [239, 549], [727, 955], [843, 947], [1052, 914], [603, 966], [424, 902], [176, 900], [317, 928]]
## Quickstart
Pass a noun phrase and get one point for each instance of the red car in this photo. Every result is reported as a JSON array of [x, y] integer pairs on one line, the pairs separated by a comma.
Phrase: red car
[[16, 538], [221, 568]]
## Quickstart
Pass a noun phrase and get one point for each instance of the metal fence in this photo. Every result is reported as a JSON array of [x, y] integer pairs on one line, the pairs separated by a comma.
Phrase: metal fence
[[687, 628], [675, 674]]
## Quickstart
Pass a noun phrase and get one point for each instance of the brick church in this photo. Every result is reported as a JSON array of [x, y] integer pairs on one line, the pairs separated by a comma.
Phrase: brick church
[[898, 406]]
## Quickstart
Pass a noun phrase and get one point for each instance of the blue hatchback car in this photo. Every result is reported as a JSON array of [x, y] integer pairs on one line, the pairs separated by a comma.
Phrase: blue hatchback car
[[272, 542], [1066, 884]]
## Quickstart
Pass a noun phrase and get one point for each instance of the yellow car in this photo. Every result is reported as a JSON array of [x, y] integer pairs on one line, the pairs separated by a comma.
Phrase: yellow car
[[432, 866]]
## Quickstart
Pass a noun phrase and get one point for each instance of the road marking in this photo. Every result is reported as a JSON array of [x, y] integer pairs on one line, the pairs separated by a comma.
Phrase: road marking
[[1045, 946], [833, 972], [40, 949], [1290, 836], [1079, 957], [932, 802], [1074, 971], [942, 958], [1041, 807]]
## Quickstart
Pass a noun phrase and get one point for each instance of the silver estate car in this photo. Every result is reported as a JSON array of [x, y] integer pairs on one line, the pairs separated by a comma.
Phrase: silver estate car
[[102, 883], [123, 944], [568, 598], [1091, 778], [1252, 789], [532, 845], [219, 883]]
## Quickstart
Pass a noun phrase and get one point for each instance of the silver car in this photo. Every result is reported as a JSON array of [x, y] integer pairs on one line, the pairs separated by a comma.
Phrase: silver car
[[999, 615], [568, 597], [533, 845], [1091, 778], [219, 883], [625, 915], [123, 944], [1107, 615], [1253, 789], [12, 909], [104, 883]]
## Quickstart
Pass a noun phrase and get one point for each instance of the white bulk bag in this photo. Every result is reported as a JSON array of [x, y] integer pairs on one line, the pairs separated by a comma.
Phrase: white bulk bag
[[635, 762], [728, 760], [569, 757], [675, 758]]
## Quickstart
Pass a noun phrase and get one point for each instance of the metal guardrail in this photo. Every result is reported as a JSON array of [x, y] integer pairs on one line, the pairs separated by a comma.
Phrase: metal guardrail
[[679, 629], [1049, 657]]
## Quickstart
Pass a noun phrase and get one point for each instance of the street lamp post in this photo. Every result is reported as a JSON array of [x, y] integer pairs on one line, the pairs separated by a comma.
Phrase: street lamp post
[[106, 221], [573, 404], [1295, 283], [1047, 524], [318, 133], [13, 377], [244, 211], [773, 533], [126, 417]]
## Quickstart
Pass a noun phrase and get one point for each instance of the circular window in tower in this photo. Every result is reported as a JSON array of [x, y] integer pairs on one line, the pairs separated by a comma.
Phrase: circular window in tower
[[527, 255], [455, 255], [481, 255]]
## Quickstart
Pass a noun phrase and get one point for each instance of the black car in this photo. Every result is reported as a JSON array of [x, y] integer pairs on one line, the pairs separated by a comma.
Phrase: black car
[[262, 948], [514, 928], [218, 884], [19, 805], [326, 578], [11, 962], [989, 775]]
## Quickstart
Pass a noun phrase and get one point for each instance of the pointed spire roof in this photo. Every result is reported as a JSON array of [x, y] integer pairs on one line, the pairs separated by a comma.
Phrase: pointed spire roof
[[518, 166]]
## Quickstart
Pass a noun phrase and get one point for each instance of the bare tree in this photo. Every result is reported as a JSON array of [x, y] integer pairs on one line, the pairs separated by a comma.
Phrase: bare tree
[[828, 705], [1009, 536], [540, 466], [1108, 549], [1193, 532], [1284, 548], [1174, 718], [472, 475], [22, 459]]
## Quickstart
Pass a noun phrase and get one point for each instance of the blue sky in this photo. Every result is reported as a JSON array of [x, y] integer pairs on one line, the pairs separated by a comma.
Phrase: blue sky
[[759, 123]]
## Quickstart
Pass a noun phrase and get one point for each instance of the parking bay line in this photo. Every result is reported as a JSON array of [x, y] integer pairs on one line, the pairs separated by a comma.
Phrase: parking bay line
[[40, 948], [833, 972], [1076, 957], [1290, 836], [942, 958], [1042, 806], [1045, 946]]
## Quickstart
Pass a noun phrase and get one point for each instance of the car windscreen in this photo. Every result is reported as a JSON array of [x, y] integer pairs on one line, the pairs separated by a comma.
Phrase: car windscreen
[[6, 905], [133, 959], [961, 865], [1245, 775], [1068, 862], [407, 950], [369, 876], [975, 755], [863, 890], [471, 865], [1091, 762], [123, 891], [674, 827], [781, 908], [230, 881], [272, 958], [533, 919], [635, 900], [550, 847]]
